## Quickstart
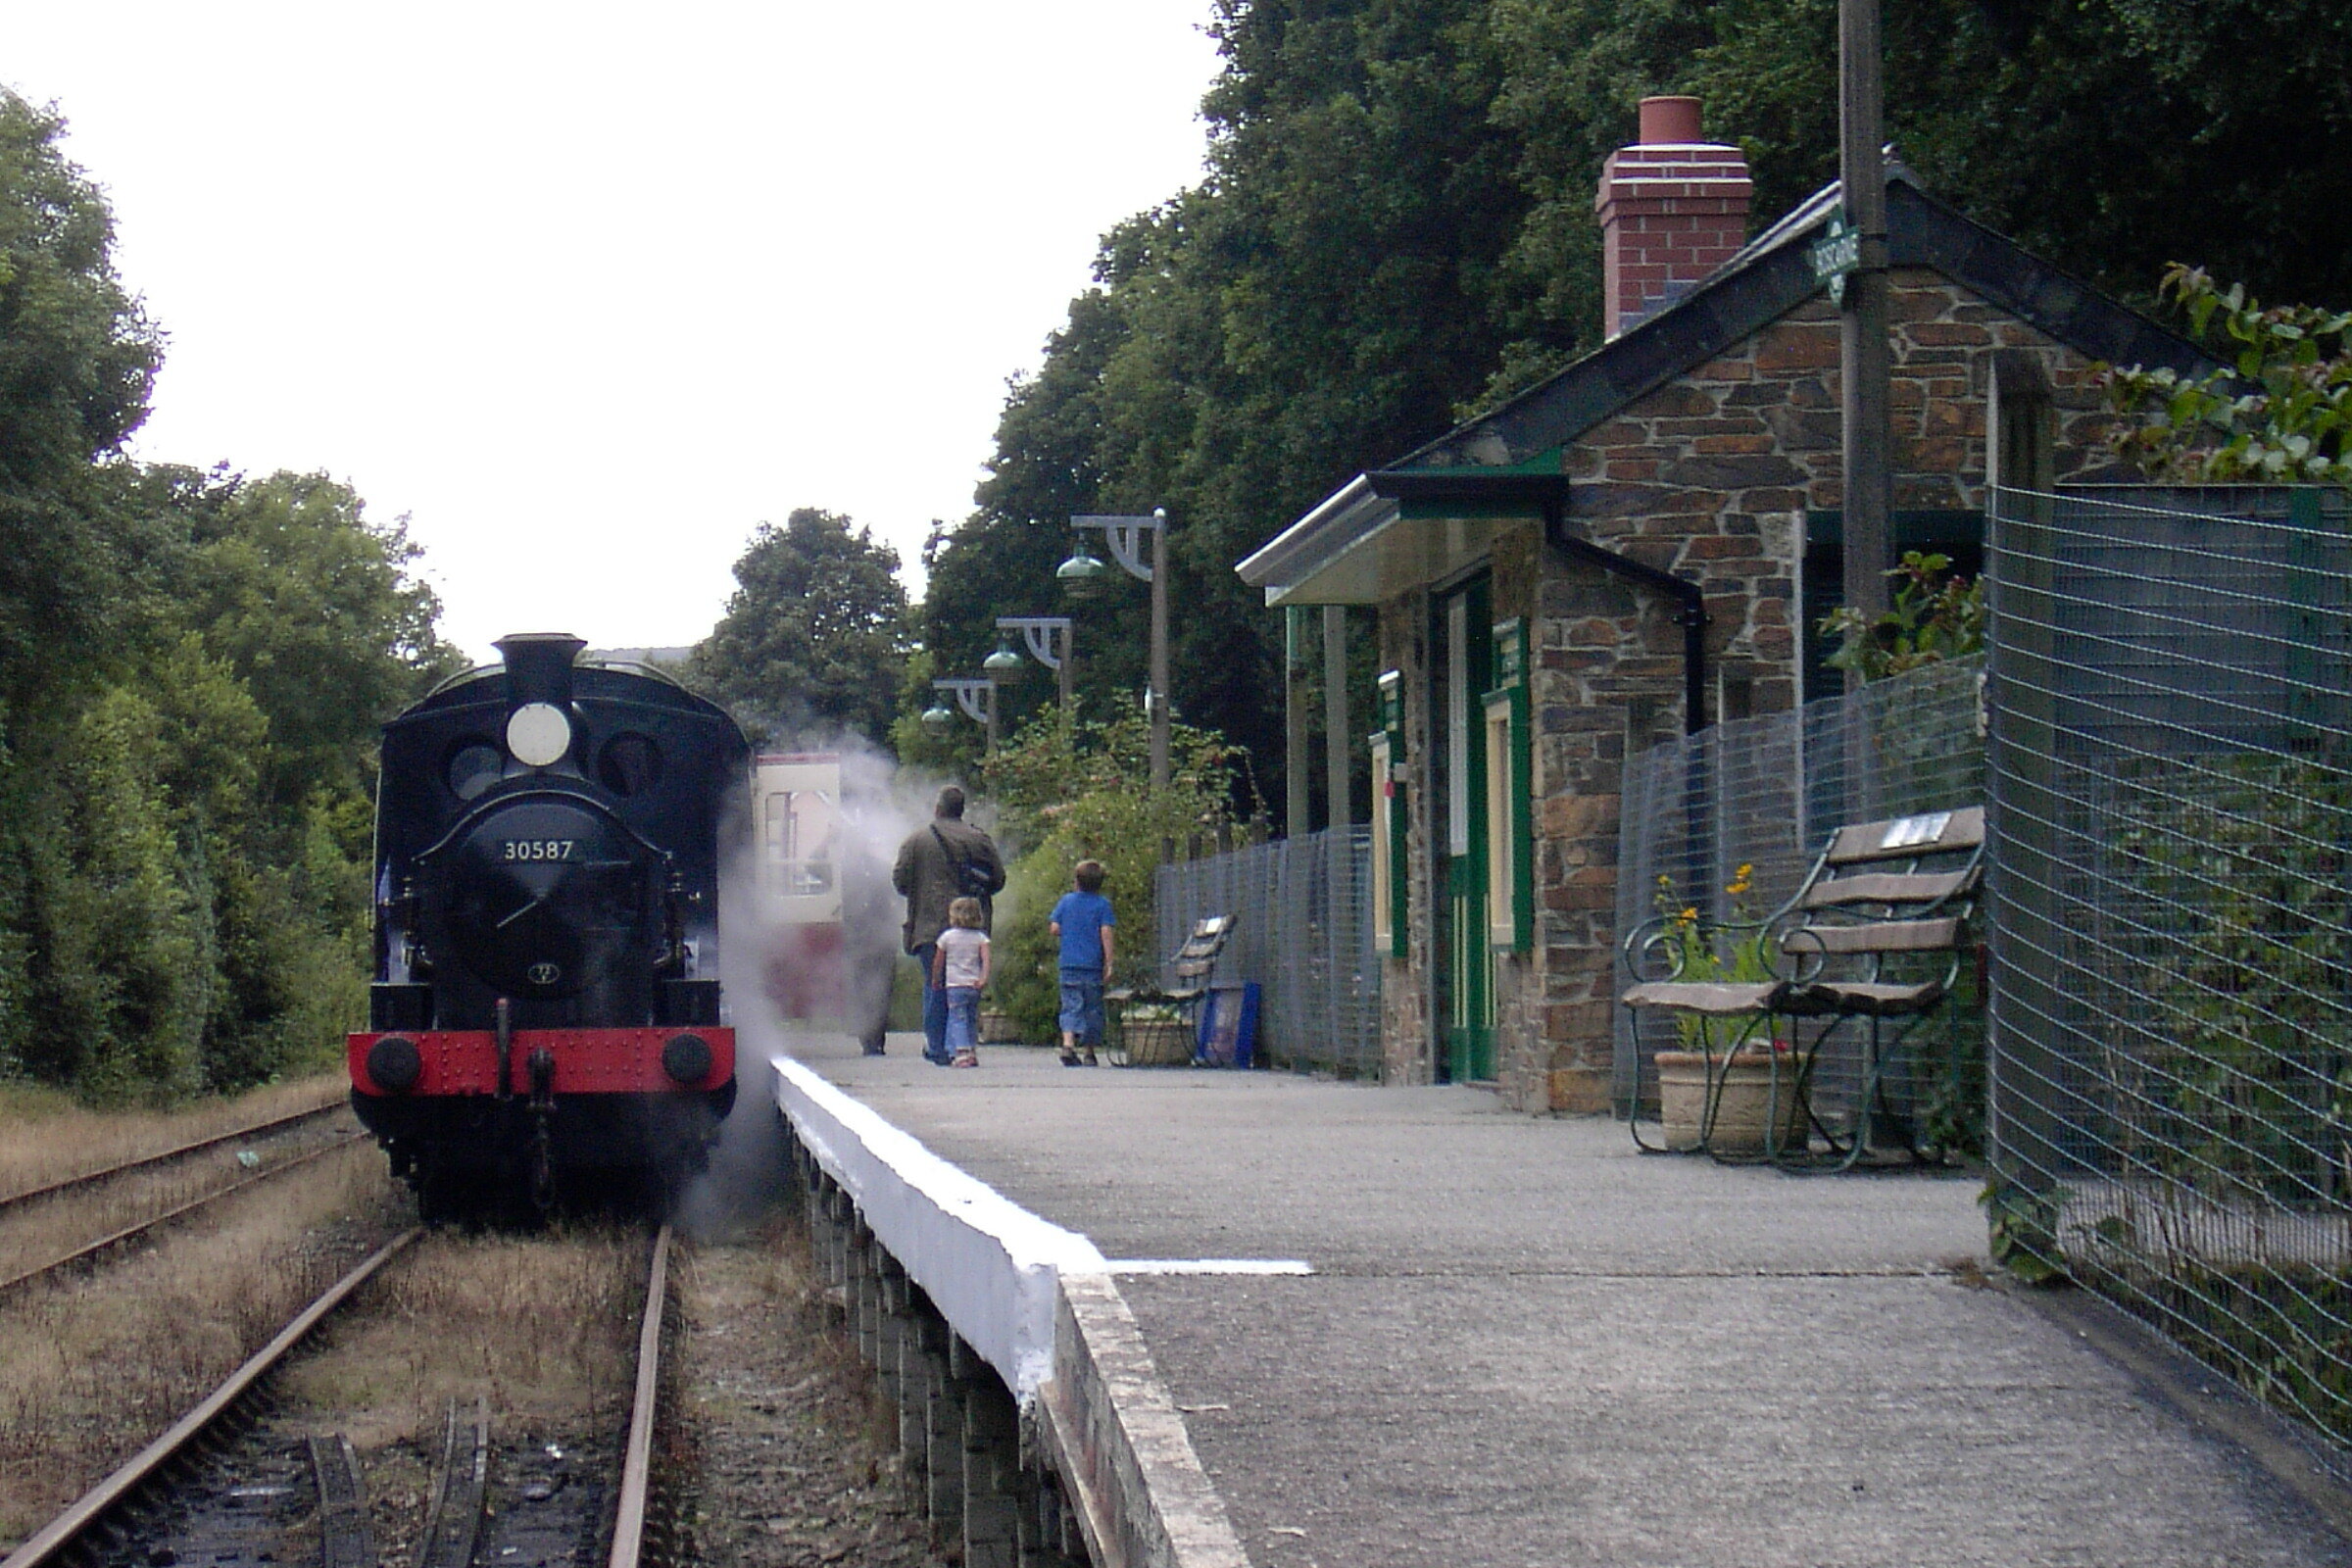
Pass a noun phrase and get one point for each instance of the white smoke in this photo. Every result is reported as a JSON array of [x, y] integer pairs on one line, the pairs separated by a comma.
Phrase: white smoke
[[880, 805]]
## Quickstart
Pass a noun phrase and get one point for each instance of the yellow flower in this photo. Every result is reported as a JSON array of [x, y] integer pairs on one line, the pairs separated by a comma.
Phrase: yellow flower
[[1689, 915]]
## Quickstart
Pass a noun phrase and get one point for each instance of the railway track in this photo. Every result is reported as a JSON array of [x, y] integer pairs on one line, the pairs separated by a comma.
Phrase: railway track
[[132, 1232], [187, 1498], [91, 1178]]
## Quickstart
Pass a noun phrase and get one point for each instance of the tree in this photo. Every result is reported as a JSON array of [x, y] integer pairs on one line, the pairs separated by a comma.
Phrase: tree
[[76, 360], [812, 641]]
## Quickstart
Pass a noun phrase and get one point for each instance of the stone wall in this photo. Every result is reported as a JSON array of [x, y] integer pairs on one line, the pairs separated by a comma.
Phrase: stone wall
[[1709, 478]]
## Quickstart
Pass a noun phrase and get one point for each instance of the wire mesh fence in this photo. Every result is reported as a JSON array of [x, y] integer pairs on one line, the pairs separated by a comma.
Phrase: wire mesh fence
[[1303, 934], [2171, 805], [1765, 793]]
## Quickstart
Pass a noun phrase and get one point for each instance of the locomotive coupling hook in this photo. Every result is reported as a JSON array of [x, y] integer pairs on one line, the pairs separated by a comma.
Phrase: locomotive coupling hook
[[503, 1025]]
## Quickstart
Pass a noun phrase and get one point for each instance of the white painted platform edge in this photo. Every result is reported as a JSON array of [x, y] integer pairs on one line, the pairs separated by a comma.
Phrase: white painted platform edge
[[991, 1267]]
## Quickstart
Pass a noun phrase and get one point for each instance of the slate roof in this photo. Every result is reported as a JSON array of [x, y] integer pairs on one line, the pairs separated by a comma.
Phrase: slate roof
[[1769, 276]]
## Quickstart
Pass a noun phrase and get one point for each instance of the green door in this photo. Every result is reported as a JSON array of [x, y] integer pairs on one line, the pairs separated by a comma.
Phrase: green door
[[1464, 631]]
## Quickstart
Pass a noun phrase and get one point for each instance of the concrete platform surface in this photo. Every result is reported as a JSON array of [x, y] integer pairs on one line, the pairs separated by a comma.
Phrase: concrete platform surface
[[1525, 1344]]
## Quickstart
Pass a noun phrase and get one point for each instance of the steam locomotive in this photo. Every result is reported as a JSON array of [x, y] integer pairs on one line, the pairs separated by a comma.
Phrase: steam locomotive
[[546, 1015]]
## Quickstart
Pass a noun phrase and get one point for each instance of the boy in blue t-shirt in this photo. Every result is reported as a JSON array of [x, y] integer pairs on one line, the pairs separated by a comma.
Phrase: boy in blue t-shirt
[[1083, 921]]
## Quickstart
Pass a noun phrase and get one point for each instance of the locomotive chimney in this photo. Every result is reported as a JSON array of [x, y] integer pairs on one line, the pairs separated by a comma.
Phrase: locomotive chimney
[[539, 667]]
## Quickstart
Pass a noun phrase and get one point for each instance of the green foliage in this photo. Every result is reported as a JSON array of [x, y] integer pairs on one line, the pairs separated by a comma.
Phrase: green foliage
[[192, 670], [2239, 1084], [77, 358], [1936, 617], [1073, 791], [2022, 1228], [812, 641], [2280, 415], [1736, 950]]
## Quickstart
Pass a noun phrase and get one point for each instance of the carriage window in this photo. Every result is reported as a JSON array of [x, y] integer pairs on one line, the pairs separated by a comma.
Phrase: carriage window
[[800, 843], [473, 769], [629, 765]]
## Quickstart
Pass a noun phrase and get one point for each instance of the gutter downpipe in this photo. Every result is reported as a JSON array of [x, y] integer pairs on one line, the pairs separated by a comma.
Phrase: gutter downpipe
[[1551, 492]]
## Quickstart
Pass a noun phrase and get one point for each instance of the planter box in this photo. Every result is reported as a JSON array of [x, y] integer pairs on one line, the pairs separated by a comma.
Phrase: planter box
[[1756, 1085], [1158, 1043], [996, 1028]]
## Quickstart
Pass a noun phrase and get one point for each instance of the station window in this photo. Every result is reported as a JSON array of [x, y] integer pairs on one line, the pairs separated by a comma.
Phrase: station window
[[1510, 829]]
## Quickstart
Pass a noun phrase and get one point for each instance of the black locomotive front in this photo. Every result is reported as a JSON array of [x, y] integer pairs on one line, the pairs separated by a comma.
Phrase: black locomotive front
[[546, 1008]]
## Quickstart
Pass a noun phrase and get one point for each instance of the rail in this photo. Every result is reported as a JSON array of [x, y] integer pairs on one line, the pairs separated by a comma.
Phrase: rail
[[51, 1542], [636, 1470], [133, 1232], [194, 1146]]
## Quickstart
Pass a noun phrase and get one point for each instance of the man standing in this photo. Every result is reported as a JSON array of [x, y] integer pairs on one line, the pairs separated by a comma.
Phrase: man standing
[[939, 864]]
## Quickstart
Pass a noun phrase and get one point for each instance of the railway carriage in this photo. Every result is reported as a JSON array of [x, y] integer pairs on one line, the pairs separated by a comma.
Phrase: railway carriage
[[546, 1013]]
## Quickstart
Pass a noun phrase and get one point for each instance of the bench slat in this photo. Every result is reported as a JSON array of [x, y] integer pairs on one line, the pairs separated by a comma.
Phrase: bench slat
[[1886, 887], [1715, 997], [1869, 841], [1875, 935]]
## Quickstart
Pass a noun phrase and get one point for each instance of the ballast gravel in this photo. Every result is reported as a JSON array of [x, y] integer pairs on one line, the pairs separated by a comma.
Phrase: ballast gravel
[[786, 1450]]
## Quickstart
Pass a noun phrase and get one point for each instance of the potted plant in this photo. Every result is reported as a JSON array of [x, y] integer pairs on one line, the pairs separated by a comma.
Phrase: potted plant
[[1157, 1035], [1734, 1088]]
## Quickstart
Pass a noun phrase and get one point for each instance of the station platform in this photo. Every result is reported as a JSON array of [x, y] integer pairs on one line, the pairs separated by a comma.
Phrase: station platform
[[1404, 1326]]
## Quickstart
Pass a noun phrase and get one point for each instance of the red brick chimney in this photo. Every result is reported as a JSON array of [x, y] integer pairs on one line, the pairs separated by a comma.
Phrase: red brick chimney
[[1673, 209]]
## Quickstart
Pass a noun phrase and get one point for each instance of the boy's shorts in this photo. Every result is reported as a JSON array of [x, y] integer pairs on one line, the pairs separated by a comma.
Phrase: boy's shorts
[[1082, 1003]]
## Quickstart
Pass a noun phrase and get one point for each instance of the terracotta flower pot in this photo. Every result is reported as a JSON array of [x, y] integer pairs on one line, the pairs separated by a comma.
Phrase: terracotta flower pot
[[1758, 1087]]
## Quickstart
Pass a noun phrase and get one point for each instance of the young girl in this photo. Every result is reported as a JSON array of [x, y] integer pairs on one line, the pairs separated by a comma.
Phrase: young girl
[[959, 967]]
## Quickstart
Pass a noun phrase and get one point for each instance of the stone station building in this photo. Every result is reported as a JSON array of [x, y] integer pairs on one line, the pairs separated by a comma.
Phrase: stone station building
[[1630, 548]]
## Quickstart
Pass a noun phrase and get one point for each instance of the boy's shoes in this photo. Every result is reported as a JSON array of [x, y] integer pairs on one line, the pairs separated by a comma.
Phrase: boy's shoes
[[1070, 1059], [1090, 1057], [965, 1058]]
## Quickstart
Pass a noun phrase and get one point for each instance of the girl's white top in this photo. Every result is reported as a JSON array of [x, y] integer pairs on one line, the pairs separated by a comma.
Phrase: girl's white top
[[962, 949]]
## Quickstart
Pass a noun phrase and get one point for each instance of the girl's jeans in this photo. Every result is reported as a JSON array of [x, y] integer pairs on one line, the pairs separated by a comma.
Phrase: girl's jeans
[[964, 1018]]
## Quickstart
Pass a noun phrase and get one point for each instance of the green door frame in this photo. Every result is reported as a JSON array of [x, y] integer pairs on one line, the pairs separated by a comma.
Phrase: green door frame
[[1463, 625]]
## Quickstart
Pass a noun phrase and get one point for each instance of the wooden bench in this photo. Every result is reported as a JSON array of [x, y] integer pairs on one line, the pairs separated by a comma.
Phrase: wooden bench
[[1189, 974], [1871, 942]]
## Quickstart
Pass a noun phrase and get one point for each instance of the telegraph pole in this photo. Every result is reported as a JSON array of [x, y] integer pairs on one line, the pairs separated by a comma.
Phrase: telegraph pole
[[1864, 362]]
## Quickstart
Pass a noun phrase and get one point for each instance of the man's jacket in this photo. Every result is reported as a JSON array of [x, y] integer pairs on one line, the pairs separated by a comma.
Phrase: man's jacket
[[933, 864]]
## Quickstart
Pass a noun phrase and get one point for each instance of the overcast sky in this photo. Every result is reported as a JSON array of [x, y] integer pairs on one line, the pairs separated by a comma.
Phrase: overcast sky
[[590, 291]]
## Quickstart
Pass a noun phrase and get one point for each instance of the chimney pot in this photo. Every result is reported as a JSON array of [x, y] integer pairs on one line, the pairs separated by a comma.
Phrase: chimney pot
[[1666, 121]]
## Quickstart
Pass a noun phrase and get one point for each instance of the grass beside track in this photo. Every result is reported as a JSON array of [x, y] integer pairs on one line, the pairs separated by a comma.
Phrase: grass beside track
[[47, 1137]]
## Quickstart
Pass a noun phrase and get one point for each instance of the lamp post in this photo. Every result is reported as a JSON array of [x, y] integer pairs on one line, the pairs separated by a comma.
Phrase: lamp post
[[977, 699], [1041, 635], [1124, 534]]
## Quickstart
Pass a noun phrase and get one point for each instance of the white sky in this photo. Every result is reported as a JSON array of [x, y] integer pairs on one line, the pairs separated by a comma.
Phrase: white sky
[[589, 291]]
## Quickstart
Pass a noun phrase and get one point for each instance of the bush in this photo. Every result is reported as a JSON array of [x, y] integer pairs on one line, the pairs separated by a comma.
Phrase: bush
[[1070, 791]]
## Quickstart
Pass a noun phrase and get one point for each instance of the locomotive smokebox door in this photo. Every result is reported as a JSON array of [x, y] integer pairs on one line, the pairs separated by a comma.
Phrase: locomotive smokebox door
[[547, 899]]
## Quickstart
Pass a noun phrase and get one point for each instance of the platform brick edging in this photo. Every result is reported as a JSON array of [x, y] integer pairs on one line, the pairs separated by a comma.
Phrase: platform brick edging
[[1119, 1440]]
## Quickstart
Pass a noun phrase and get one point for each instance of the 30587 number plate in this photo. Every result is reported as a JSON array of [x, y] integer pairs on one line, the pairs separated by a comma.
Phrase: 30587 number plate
[[539, 849]]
